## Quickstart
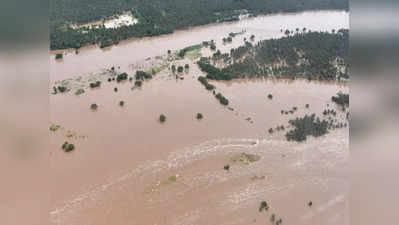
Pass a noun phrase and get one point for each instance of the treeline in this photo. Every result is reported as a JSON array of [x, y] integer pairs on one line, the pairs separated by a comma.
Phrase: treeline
[[311, 55], [158, 16]]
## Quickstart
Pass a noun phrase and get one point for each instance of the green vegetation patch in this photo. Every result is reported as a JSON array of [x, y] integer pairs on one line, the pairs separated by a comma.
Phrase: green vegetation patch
[[223, 100], [68, 147], [341, 99], [245, 158], [307, 126], [207, 85]]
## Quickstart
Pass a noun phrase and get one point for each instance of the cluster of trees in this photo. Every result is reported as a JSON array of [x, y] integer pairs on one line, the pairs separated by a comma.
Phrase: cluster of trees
[[95, 84], [68, 147], [141, 75], [158, 16], [121, 77], [341, 99], [306, 126], [223, 100], [213, 72], [204, 82], [310, 55]]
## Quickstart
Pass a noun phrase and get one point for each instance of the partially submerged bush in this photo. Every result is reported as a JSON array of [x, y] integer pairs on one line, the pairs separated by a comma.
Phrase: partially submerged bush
[[79, 91], [94, 106], [67, 147], [305, 126], [162, 118], [226, 167], [263, 206], [54, 127], [207, 85], [341, 99], [95, 84], [199, 116], [141, 75], [222, 99], [121, 77], [61, 89]]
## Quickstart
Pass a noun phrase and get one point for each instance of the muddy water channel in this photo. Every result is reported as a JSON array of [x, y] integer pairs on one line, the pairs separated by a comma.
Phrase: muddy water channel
[[128, 168]]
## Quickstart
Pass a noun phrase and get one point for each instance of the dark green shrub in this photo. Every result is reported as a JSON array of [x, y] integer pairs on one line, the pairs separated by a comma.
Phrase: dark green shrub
[[162, 118], [226, 167], [305, 126], [263, 206], [59, 56], [121, 77], [310, 204], [199, 116], [180, 69], [270, 96], [95, 84], [186, 66], [141, 75], [94, 106], [67, 147], [207, 85], [109, 79], [121, 103], [79, 91], [173, 68], [307, 106], [222, 99], [115, 89], [62, 89], [341, 99]]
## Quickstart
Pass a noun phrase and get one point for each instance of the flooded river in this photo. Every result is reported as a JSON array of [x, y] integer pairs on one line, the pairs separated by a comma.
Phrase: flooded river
[[91, 59], [128, 168]]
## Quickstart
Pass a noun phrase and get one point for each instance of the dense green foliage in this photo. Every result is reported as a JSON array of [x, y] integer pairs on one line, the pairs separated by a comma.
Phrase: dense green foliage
[[67, 147], [311, 55], [141, 75], [158, 16], [121, 77], [94, 106], [162, 118], [95, 84], [263, 206], [199, 116], [306, 126], [223, 100], [207, 85], [59, 56], [341, 99]]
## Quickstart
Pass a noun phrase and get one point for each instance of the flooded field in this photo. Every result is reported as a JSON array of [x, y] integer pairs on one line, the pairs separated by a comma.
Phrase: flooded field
[[128, 168]]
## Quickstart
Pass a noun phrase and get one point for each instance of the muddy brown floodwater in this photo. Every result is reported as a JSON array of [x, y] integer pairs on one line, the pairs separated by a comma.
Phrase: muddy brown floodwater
[[128, 168]]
